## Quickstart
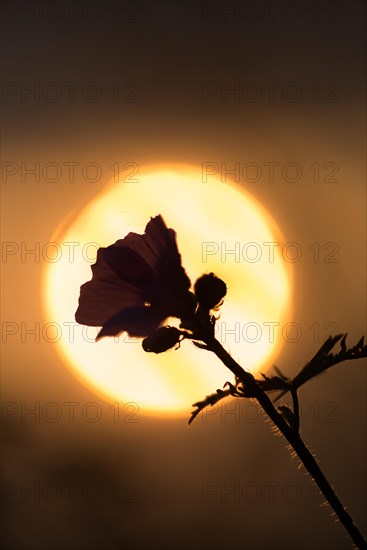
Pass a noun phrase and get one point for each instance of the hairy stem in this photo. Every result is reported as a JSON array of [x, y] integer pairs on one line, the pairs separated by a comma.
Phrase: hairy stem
[[295, 407], [293, 437], [313, 468]]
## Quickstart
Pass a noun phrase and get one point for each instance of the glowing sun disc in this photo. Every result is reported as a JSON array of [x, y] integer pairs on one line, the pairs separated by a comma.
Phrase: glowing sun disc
[[220, 229]]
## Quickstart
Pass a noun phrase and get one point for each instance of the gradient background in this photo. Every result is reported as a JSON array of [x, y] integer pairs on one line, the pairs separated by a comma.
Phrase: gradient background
[[141, 485]]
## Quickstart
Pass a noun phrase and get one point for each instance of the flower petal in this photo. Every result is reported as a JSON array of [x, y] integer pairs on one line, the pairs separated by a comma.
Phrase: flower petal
[[129, 265], [136, 321], [158, 249], [157, 242], [105, 295]]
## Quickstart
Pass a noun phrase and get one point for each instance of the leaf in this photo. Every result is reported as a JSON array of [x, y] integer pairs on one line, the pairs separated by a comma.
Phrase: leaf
[[209, 400], [327, 346], [319, 362], [280, 374], [324, 359], [359, 344], [343, 344], [233, 389]]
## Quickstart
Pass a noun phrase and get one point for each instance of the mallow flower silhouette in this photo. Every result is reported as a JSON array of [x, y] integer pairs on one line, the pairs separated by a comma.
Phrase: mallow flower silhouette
[[138, 283]]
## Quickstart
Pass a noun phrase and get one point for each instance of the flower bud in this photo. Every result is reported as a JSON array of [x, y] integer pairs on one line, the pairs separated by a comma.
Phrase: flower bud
[[210, 290], [162, 339]]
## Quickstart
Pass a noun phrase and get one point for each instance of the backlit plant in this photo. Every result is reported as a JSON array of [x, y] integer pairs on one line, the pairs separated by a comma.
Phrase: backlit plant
[[139, 282]]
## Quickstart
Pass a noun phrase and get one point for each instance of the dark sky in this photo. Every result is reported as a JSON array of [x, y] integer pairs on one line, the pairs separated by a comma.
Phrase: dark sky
[[184, 82]]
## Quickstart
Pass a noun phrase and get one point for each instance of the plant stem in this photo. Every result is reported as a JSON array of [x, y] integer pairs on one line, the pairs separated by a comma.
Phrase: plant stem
[[295, 407], [292, 436], [313, 468]]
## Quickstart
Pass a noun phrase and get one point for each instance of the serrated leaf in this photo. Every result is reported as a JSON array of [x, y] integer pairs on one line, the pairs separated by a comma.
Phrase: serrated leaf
[[209, 400], [327, 346], [359, 344], [324, 359], [280, 374], [343, 342]]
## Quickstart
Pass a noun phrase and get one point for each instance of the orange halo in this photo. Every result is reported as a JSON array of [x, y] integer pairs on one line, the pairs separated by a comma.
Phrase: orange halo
[[220, 228]]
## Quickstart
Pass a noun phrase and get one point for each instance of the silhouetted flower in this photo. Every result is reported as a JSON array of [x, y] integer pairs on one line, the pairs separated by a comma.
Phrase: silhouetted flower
[[137, 283]]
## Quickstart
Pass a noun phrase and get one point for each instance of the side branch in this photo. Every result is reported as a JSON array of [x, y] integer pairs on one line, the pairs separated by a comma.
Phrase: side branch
[[287, 421]]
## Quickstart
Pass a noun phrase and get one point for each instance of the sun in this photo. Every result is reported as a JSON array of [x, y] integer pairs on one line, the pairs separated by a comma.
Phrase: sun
[[220, 228]]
